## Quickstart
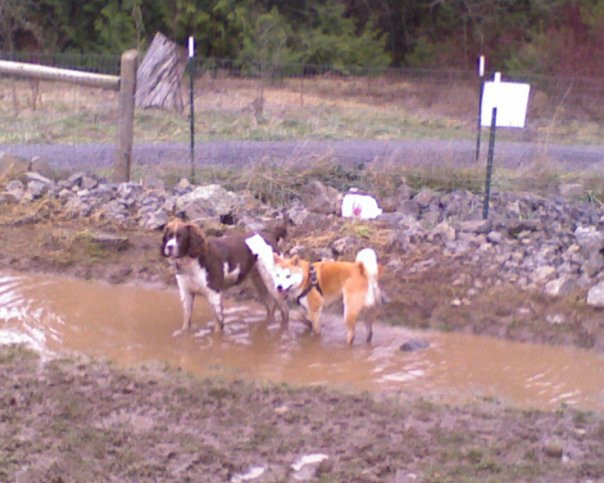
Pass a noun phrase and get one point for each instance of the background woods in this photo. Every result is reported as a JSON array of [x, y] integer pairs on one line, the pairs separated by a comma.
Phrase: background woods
[[552, 37]]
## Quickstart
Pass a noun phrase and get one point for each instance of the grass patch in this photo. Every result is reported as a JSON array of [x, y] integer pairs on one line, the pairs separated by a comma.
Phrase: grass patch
[[328, 108]]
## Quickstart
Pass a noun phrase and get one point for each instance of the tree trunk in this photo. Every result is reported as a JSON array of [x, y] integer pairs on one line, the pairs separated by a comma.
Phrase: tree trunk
[[159, 76]]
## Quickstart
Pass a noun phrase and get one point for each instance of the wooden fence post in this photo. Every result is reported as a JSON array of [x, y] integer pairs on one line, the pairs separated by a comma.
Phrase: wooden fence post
[[121, 170]]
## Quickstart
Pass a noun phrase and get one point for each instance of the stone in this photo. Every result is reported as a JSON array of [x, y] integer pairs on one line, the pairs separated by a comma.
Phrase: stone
[[8, 199], [559, 286], [14, 191], [413, 345], [36, 189], [342, 245], [309, 467], [595, 295], [594, 264], [541, 274], [425, 197], [495, 237], [571, 190], [42, 167], [207, 201], [88, 183], [409, 208], [442, 231], [75, 179], [475, 226], [320, 198], [110, 241], [12, 167]]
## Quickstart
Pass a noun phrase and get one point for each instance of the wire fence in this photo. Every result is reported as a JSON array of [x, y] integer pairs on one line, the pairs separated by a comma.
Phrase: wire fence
[[566, 97], [247, 101]]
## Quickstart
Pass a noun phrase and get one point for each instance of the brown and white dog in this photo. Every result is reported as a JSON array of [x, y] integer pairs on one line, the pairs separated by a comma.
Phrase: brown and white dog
[[314, 285], [209, 265]]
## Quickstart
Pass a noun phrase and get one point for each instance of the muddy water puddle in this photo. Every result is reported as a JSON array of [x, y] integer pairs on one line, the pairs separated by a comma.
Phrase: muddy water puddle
[[133, 325]]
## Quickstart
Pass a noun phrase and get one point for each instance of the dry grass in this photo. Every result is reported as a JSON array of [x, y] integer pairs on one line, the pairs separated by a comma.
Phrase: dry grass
[[324, 107]]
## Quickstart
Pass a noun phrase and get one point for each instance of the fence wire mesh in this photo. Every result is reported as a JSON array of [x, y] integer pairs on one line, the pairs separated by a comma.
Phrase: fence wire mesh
[[297, 103]]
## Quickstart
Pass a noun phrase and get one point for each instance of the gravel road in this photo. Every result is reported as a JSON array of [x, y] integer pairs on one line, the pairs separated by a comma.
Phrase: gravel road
[[240, 153]]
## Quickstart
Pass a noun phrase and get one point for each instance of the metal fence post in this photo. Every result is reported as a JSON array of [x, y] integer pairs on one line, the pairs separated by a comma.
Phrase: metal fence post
[[480, 94], [487, 183], [192, 105], [123, 162]]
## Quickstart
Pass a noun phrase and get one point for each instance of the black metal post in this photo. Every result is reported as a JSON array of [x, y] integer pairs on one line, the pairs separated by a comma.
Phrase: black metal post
[[487, 187], [192, 116], [479, 124]]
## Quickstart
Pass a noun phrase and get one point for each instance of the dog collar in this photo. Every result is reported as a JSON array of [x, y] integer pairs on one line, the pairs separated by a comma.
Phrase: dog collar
[[313, 283]]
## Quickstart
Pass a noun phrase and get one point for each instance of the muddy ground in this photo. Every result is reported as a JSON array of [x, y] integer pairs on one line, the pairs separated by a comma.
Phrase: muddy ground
[[76, 419]]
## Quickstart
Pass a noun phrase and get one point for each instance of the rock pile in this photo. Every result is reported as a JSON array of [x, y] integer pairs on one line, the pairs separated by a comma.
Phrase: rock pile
[[551, 244]]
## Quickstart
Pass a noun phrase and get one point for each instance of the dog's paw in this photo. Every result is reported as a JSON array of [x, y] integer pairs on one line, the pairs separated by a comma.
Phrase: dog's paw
[[179, 332]]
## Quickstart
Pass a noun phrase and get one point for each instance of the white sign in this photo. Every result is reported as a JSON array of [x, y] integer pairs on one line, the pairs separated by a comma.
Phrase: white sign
[[511, 101]]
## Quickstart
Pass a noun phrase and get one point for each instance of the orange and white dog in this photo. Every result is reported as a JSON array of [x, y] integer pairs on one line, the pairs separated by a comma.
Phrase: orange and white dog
[[314, 285]]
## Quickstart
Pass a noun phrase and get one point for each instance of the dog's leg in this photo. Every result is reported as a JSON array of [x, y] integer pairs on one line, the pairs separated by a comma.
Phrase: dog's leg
[[215, 300], [352, 308], [186, 299], [369, 327], [266, 288], [263, 294], [315, 320]]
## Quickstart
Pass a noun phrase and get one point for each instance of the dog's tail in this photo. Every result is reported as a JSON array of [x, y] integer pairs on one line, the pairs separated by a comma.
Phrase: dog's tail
[[368, 260]]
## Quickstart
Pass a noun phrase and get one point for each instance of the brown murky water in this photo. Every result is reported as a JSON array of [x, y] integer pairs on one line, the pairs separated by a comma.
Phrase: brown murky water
[[134, 325]]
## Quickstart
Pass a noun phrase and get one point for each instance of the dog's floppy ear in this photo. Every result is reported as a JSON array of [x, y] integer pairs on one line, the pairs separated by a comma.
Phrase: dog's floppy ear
[[276, 257], [295, 261], [196, 241]]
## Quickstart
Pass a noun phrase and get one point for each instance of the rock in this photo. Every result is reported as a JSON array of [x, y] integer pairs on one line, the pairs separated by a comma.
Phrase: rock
[[8, 199], [343, 245], [553, 449], [76, 208], [495, 237], [414, 345], [109, 241], [443, 231], [207, 201], [309, 467], [15, 190], [559, 286], [594, 264], [571, 190], [298, 214], [556, 319], [595, 295], [425, 197], [75, 179], [319, 198], [589, 239], [36, 190], [42, 167], [155, 220], [516, 227], [409, 208], [475, 226], [253, 473], [88, 183], [541, 274], [183, 186], [431, 217], [12, 167]]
